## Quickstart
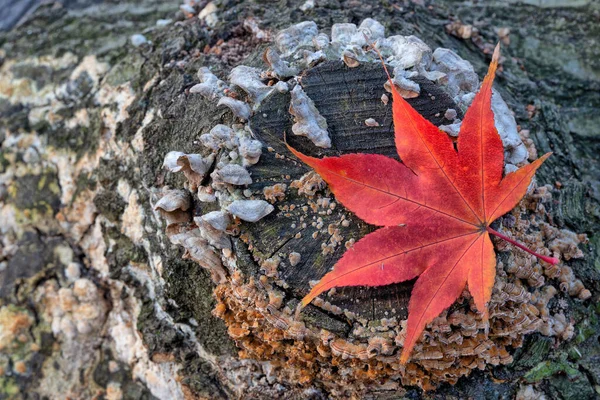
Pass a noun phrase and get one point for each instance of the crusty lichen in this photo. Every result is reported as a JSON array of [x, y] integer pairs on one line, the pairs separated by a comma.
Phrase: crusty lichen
[[459, 341], [258, 309], [54, 245], [112, 121]]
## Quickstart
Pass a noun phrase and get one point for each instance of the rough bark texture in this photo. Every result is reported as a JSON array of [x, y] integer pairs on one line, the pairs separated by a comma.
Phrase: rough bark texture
[[95, 301]]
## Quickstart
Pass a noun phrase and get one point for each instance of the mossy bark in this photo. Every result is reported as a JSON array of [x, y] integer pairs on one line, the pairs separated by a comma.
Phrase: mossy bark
[[550, 79]]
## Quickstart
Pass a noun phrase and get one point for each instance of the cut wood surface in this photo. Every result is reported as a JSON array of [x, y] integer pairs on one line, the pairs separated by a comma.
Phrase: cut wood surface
[[346, 97], [95, 300]]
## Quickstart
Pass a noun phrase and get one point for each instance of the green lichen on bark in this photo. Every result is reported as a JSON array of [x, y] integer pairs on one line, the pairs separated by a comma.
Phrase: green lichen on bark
[[562, 87], [37, 196]]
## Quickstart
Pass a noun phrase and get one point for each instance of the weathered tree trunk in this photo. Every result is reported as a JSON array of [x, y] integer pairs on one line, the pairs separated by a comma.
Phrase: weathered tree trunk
[[97, 297]]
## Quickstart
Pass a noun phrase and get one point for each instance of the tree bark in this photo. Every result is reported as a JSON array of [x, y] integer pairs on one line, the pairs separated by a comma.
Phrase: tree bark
[[95, 298]]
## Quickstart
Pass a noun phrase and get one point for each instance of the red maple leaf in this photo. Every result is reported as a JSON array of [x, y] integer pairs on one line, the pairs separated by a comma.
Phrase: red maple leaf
[[436, 207]]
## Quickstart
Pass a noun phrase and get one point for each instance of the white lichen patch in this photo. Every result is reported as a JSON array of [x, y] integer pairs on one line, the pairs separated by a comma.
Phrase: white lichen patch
[[200, 250], [280, 68], [515, 151], [452, 129], [250, 210], [239, 108], [371, 122], [405, 52], [210, 86], [13, 324], [26, 91], [130, 349], [133, 219], [193, 166], [308, 121], [138, 40], [220, 136], [291, 39], [248, 79], [233, 174], [450, 114], [348, 34], [214, 236], [217, 219], [249, 149], [174, 206], [460, 75], [407, 88], [294, 258]]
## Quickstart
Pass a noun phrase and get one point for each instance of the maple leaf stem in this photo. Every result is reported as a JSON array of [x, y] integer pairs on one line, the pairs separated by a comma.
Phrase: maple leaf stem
[[372, 45], [550, 260]]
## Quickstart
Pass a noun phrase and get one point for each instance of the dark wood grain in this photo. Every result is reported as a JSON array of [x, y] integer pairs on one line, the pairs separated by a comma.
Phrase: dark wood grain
[[346, 97]]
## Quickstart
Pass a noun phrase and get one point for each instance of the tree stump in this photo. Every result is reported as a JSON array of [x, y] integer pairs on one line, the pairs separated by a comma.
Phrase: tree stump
[[97, 301], [346, 97]]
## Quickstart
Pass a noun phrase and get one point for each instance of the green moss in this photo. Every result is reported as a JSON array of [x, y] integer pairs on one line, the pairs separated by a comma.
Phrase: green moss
[[110, 204], [127, 70], [588, 327], [595, 245], [123, 252], [85, 181], [8, 387], [201, 378], [547, 369], [81, 139], [574, 386], [4, 163], [191, 288], [566, 370], [103, 374], [109, 172], [36, 195]]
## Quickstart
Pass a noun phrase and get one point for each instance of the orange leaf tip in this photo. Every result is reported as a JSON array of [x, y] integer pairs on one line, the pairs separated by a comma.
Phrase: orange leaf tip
[[496, 55]]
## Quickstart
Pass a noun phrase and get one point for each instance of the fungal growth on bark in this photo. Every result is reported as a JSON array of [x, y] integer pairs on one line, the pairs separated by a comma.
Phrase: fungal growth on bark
[[157, 236], [284, 228]]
